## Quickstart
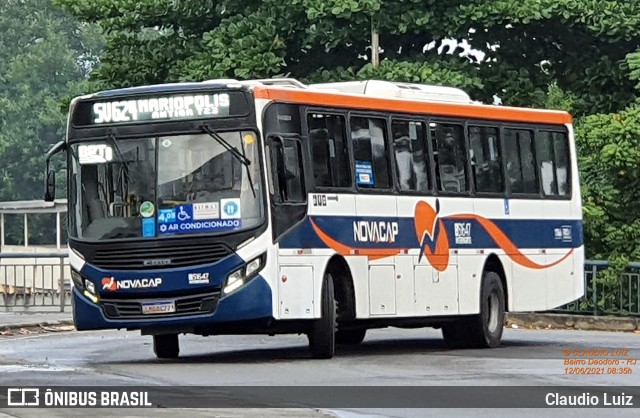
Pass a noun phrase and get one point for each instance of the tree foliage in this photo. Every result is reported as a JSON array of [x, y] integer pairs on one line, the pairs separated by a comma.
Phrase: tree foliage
[[580, 45], [609, 147], [45, 56]]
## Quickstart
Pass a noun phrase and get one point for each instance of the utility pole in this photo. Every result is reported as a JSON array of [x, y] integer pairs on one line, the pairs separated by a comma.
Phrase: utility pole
[[375, 45]]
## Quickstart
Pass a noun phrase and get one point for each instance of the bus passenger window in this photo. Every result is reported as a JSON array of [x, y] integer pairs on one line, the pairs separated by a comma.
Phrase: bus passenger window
[[411, 151], [485, 159], [552, 151], [330, 155], [450, 157], [520, 160], [370, 153]]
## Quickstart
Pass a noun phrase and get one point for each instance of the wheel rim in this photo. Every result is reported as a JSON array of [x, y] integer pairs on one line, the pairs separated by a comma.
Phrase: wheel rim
[[493, 308]]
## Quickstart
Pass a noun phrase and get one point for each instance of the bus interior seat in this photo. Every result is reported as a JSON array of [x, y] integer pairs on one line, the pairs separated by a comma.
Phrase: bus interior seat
[[450, 178]]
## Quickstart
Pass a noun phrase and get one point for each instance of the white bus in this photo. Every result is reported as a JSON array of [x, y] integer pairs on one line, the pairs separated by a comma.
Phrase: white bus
[[269, 206]]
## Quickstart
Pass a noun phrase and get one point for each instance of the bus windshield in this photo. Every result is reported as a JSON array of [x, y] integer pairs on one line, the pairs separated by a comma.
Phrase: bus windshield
[[163, 186]]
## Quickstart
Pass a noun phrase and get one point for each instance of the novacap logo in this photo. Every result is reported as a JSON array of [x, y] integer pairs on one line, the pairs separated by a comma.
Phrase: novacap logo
[[432, 235], [111, 284]]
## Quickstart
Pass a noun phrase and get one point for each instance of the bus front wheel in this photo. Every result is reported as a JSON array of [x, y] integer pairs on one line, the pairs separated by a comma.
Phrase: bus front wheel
[[166, 346], [322, 336], [483, 330]]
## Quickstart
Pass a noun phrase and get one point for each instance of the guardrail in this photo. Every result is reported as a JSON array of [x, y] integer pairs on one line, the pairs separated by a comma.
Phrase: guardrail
[[41, 282], [34, 282]]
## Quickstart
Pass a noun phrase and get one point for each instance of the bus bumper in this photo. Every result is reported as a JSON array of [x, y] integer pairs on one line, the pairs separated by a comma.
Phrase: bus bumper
[[251, 302]]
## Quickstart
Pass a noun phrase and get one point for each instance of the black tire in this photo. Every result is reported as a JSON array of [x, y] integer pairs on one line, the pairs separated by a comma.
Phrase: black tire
[[350, 337], [166, 346], [322, 336], [483, 330]]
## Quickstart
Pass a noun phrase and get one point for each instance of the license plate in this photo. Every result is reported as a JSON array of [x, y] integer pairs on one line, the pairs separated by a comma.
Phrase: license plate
[[158, 307]]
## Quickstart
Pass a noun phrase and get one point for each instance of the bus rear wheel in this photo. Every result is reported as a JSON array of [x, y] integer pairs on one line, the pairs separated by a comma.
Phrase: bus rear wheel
[[483, 330], [322, 336], [166, 346]]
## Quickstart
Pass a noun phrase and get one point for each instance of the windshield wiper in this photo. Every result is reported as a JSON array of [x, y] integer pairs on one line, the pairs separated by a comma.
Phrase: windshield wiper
[[240, 156], [114, 141], [233, 150]]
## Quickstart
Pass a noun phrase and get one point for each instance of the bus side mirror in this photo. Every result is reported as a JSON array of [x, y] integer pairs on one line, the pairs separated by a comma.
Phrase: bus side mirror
[[50, 175], [50, 186]]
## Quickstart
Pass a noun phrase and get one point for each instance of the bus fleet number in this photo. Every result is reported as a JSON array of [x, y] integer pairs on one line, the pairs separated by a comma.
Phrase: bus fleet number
[[319, 200]]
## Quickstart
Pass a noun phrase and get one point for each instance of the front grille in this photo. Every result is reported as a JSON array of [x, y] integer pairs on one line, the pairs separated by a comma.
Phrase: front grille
[[186, 305], [162, 254]]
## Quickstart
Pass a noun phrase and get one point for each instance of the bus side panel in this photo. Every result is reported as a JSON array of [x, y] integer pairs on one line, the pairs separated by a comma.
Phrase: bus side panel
[[463, 262], [578, 267], [295, 288], [529, 282], [562, 278], [472, 262]]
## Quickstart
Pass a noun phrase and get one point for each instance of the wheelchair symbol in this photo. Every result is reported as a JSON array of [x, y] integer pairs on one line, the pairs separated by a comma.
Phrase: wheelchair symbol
[[183, 215]]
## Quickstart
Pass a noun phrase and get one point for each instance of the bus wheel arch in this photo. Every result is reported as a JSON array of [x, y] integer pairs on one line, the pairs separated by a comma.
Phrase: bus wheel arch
[[346, 333], [494, 264], [483, 330], [343, 287]]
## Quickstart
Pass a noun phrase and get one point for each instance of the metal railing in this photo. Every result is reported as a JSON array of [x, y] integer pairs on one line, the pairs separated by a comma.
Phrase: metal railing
[[41, 282], [607, 293], [36, 282]]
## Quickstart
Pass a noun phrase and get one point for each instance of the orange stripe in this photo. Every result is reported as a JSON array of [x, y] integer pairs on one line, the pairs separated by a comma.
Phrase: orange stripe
[[507, 245], [321, 98]]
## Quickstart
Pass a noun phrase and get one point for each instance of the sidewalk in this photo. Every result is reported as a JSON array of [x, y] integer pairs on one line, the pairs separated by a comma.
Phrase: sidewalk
[[578, 322], [13, 320]]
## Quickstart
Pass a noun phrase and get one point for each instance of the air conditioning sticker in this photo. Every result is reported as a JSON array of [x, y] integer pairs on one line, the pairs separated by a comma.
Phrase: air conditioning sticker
[[198, 217]]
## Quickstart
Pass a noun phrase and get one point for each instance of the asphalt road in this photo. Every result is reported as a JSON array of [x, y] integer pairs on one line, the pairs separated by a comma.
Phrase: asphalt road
[[389, 357]]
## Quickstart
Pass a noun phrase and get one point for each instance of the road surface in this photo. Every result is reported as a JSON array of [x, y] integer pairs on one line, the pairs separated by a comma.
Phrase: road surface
[[388, 357]]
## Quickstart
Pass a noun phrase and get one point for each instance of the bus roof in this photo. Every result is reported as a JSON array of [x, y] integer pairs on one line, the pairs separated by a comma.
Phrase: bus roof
[[359, 101], [166, 88], [365, 95]]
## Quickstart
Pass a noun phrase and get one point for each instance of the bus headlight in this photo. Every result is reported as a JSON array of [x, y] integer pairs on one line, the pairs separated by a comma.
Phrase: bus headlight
[[234, 281], [254, 266], [241, 276], [85, 286], [90, 286]]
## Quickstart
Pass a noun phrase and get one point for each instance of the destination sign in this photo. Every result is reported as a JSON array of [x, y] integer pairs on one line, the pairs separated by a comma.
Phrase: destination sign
[[161, 108]]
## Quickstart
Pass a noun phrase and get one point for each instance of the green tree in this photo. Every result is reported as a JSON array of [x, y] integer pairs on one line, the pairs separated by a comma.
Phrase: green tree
[[45, 56], [609, 149], [578, 45]]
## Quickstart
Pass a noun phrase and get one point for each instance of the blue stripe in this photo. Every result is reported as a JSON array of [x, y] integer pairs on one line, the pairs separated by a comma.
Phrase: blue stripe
[[523, 233]]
